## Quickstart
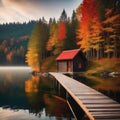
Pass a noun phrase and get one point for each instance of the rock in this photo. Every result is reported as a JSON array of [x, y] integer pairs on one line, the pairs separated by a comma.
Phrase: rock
[[45, 74], [114, 74]]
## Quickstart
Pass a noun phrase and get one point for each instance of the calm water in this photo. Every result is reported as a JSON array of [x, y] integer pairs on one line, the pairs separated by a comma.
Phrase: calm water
[[26, 97]]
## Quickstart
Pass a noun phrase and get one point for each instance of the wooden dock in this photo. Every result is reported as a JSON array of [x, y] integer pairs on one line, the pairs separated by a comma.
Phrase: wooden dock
[[96, 105]]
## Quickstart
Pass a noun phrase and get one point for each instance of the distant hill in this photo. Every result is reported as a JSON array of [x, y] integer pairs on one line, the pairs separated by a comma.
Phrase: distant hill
[[13, 42]]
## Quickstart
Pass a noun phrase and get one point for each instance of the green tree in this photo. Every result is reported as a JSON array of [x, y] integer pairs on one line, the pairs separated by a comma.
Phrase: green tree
[[63, 16], [71, 27]]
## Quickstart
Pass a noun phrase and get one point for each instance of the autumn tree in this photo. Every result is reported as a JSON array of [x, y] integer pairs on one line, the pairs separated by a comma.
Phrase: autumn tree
[[36, 45], [89, 24], [57, 34], [61, 38], [53, 36], [83, 33], [112, 32], [96, 38]]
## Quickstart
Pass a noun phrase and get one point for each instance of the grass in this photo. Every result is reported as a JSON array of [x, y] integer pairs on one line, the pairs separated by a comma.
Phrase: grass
[[49, 64]]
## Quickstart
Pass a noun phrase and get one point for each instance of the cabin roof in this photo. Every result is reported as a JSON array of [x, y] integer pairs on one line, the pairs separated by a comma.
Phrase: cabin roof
[[68, 55]]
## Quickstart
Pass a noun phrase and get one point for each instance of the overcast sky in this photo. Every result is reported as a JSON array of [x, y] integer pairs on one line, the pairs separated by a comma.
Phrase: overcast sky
[[25, 10]]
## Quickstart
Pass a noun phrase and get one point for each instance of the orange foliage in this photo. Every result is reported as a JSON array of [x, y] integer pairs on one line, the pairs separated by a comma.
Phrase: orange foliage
[[53, 37], [49, 44], [31, 86]]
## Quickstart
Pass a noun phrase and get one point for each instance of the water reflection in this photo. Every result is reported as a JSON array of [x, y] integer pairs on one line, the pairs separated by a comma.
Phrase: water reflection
[[27, 97], [12, 92], [109, 86]]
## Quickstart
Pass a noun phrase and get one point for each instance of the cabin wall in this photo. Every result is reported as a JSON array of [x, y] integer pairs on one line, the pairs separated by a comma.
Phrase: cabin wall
[[79, 63], [65, 66], [62, 66]]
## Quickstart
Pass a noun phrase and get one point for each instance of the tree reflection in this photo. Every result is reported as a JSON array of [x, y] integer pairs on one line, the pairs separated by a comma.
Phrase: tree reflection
[[55, 106], [41, 94]]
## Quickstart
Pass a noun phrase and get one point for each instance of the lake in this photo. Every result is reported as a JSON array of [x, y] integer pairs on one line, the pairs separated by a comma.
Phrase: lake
[[27, 97]]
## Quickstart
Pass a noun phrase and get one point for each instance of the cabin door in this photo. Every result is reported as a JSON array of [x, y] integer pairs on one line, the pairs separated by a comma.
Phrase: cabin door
[[69, 66]]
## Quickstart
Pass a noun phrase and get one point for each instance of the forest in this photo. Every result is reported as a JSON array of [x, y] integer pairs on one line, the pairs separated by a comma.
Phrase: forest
[[14, 38], [94, 27]]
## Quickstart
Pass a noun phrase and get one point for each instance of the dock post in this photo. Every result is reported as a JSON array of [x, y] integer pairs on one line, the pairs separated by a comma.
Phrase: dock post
[[67, 95], [59, 89]]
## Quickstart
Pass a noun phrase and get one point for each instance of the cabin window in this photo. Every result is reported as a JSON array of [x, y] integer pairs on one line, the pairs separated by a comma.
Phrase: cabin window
[[79, 65]]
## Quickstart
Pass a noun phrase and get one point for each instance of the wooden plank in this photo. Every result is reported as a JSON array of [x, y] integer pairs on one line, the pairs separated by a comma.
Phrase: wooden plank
[[97, 102], [107, 115], [106, 118], [110, 113], [101, 100], [88, 93], [102, 106], [92, 97], [104, 109]]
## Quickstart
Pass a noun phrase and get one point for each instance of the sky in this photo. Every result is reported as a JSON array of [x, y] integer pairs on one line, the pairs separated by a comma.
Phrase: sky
[[25, 10]]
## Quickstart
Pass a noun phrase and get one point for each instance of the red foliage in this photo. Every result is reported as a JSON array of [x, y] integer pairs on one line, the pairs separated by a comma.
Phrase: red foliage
[[62, 31], [90, 17], [89, 11]]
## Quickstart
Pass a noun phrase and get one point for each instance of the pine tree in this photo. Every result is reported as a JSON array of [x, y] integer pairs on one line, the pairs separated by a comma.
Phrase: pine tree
[[72, 26], [63, 16]]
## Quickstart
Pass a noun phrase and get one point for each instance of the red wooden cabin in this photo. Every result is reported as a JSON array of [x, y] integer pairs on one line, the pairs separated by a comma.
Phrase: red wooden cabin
[[71, 61]]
